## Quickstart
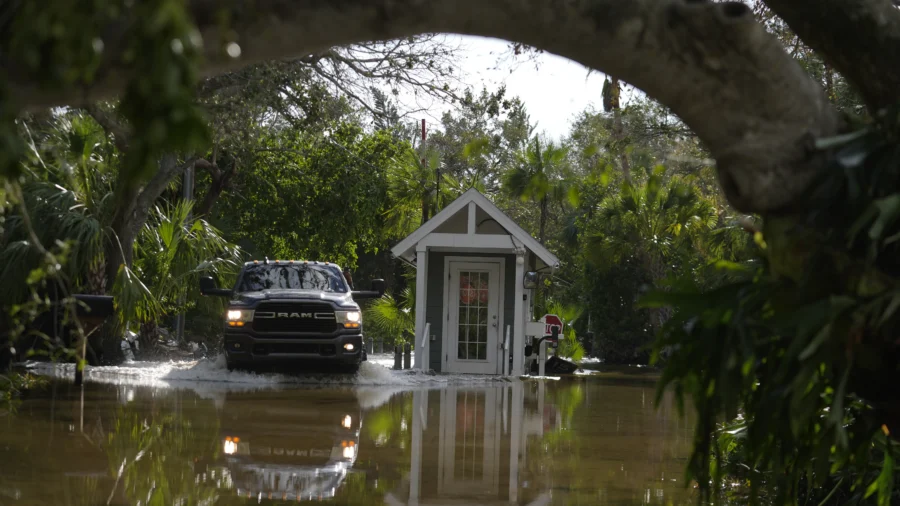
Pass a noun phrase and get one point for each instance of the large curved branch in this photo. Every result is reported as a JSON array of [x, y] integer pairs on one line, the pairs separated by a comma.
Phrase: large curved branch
[[731, 82], [860, 38]]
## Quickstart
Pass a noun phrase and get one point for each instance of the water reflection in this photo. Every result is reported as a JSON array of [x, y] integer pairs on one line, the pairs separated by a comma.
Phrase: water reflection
[[529, 443], [275, 447]]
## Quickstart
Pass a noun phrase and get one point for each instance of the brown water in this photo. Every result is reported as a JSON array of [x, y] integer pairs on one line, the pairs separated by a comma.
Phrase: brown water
[[584, 441]]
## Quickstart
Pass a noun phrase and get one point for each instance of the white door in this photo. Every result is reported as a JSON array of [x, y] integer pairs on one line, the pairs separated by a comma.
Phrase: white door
[[474, 320]]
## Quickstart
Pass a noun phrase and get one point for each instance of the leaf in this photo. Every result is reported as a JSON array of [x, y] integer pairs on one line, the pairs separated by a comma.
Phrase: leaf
[[888, 212], [884, 483]]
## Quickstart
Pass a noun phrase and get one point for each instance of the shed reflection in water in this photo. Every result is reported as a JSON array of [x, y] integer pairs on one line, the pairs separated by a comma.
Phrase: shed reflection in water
[[582, 441]]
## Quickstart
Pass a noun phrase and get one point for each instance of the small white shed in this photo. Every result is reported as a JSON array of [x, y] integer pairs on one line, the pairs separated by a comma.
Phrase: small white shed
[[471, 262]]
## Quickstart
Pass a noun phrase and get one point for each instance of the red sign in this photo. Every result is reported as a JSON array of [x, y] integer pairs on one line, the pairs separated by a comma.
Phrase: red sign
[[551, 321]]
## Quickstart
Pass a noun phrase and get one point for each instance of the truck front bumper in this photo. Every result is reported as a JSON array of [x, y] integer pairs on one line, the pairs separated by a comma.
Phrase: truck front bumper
[[246, 348]]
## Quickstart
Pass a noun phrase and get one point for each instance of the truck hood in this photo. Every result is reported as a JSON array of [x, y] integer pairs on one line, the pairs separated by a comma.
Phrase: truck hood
[[341, 299]]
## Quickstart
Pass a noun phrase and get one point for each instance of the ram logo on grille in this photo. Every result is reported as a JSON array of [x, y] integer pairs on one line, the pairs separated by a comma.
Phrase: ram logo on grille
[[294, 315]]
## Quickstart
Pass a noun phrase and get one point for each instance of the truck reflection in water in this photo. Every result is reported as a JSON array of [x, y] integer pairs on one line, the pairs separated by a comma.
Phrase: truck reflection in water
[[272, 450]]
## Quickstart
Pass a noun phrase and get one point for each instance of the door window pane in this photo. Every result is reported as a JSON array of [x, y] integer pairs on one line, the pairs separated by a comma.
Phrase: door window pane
[[472, 325]]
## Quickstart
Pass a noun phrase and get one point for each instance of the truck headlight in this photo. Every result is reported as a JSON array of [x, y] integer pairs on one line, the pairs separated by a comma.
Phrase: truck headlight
[[238, 317], [349, 319]]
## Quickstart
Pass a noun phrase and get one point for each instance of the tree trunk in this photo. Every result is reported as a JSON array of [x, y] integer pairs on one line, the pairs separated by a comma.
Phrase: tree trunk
[[220, 181], [619, 129], [148, 336], [543, 225], [859, 38], [758, 121], [95, 279]]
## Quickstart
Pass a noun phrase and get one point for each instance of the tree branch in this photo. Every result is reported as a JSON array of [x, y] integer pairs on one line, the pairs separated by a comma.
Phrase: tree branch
[[168, 170], [859, 38], [111, 124], [710, 63]]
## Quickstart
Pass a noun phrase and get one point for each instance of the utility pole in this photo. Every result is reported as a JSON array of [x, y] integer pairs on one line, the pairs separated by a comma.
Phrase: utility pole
[[187, 188]]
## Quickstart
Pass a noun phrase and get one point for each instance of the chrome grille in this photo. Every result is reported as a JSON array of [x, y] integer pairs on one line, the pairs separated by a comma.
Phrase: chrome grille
[[294, 317]]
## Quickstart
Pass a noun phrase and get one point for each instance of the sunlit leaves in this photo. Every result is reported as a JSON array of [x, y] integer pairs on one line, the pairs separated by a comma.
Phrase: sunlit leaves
[[314, 197], [393, 318]]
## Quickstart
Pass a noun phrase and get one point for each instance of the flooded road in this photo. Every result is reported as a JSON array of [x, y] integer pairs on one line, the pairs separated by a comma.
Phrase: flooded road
[[582, 440]]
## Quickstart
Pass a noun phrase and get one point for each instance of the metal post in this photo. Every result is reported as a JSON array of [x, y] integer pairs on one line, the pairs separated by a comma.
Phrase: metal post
[[542, 357], [398, 358], [407, 356], [379, 345], [370, 346], [187, 187]]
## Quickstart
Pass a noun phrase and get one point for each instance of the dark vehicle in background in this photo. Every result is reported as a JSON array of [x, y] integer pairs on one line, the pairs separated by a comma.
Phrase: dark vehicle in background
[[293, 311]]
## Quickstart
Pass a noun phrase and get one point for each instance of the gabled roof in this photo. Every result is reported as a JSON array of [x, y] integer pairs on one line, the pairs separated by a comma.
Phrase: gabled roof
[[474, 196]]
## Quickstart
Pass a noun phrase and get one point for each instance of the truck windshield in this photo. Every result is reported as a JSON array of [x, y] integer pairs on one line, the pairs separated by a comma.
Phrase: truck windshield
[[292, 277]]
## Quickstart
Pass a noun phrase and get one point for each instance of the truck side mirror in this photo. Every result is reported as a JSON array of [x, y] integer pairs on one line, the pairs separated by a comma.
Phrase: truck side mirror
[[208, 287], [376, 292], [378, 286]]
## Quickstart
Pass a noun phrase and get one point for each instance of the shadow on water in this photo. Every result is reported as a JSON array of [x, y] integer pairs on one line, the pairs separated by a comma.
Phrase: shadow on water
[[577, 441]]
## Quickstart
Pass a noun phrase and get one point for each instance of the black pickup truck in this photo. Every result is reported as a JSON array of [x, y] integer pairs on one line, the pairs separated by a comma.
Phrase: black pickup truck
[[293, 311]]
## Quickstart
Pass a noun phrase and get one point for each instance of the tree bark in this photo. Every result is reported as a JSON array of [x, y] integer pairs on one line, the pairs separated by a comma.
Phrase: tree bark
[[543, 220], [860, 38], [711, 63], [619, 128], [220, 181]]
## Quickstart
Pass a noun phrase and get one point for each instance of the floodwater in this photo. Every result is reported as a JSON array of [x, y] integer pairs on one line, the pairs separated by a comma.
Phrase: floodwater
[[143, 440]]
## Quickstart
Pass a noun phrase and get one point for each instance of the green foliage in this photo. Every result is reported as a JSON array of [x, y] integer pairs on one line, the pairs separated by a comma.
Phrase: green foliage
[[174, 251], [658, 222], [310, 197], [68, 197], [623, 334], [13, 386], [803, 345], [160, 106], [392, 319], [160, 49], [569, 347]]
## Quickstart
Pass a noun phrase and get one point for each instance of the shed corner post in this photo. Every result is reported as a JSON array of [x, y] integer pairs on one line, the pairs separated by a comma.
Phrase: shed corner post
[[421, 361], [518, 341]]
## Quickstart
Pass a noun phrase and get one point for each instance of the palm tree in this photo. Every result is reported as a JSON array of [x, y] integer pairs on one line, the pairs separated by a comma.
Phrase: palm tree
[[172, 251], [537, 176], [69, 199], [414, 194], [411, 191], [392, 317], [656, 223]]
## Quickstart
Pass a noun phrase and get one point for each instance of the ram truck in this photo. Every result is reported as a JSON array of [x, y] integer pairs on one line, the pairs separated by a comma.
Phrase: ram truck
[[293, 311]]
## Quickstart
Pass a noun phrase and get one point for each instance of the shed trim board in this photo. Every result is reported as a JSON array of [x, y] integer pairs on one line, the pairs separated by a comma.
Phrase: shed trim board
[[499, 297], [406, 248]]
